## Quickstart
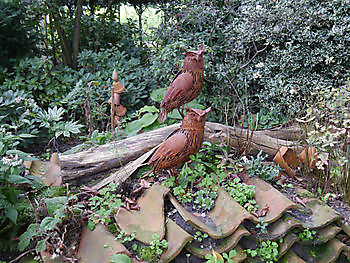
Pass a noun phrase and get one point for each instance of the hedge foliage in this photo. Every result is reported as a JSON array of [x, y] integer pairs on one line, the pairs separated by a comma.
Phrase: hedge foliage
[[265, 56]]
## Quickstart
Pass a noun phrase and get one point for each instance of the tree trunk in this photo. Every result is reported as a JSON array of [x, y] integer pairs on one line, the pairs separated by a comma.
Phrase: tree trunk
[[119, 153], [76, 36], [66, 54], [139, 12]]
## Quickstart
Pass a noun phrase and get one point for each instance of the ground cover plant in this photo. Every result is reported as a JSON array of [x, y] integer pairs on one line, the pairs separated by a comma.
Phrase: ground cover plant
[[267, 63]]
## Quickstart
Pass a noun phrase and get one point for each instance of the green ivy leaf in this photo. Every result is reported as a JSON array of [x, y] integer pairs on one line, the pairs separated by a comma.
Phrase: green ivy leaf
[[48, 223], [24, 239], [41, 246], [55, 204], [91, 225], [148, 108]]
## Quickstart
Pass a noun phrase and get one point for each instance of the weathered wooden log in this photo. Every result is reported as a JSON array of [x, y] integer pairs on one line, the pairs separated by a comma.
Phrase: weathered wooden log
[[111, 155], [118, 153]]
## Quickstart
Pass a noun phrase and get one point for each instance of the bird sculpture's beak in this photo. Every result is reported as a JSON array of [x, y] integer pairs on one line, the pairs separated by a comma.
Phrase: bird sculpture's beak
[[207, 110]]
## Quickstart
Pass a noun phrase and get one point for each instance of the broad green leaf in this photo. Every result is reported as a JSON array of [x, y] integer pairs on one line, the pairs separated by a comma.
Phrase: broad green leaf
[[11, 213], [17, 179], [174, 115], [147, 119], [119, 258], [195, 105], [1, 146], [26, 135], [22, 155], [158, 94], [148, 109], [18, 152], [23, 242], [132, 128]]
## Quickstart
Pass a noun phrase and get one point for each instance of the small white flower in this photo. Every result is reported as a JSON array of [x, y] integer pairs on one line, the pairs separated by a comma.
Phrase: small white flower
[[257, 75], [245, 159], [260, 65], [292, 91], [329, 60]]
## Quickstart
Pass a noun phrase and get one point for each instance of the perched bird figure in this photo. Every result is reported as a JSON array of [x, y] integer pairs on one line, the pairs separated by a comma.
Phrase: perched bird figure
[[186, 85], [182, 143]]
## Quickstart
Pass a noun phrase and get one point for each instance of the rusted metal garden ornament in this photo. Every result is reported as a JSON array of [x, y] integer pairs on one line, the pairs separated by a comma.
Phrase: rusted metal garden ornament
[[182, 143], [186, 85], [117, 110]]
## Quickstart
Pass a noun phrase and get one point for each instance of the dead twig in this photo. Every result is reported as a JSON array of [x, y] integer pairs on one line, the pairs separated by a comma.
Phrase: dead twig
[[251, 59], [22, 255]]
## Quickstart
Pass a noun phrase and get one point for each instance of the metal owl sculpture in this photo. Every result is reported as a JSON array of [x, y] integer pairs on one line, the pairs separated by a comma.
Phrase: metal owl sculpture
[[187, 84], [182, 143]]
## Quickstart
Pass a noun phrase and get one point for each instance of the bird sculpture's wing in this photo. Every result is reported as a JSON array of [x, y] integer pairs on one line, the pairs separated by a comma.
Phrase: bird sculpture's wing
[[170, 147], [179, 88]]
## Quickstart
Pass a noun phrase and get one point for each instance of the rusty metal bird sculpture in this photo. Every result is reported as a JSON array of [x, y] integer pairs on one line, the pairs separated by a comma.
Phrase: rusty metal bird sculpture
[[186, 85], [182, 143]]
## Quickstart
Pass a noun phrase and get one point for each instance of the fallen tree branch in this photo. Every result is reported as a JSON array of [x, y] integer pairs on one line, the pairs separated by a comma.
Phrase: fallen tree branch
[[119, 153]]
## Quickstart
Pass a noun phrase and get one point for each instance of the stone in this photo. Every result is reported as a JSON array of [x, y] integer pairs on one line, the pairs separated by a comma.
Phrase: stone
[[225, 245], [149, 220], [280, 228], [325, 253], [177, 238], [291, 257], [98, 245], [267, 196], [288, 242], [226, 216]]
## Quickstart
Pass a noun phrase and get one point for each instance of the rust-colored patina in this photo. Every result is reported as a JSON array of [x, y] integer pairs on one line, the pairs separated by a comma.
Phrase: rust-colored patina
[[186, 85], [182, 143]]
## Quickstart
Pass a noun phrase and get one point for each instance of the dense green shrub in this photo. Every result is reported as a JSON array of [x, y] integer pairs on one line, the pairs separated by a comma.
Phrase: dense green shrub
[[18, 33], [261, 55], [15, 212], [40, 79], [49, 85]]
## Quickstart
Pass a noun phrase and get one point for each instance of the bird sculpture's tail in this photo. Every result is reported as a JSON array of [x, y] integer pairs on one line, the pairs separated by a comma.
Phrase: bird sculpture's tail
[[162, 115]]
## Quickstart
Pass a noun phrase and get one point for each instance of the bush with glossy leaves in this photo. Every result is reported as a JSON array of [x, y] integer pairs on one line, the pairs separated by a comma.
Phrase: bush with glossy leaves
[[261, 55]]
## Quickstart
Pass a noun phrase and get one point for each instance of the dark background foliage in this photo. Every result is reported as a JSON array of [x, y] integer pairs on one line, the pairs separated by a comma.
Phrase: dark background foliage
[[18, 33]]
